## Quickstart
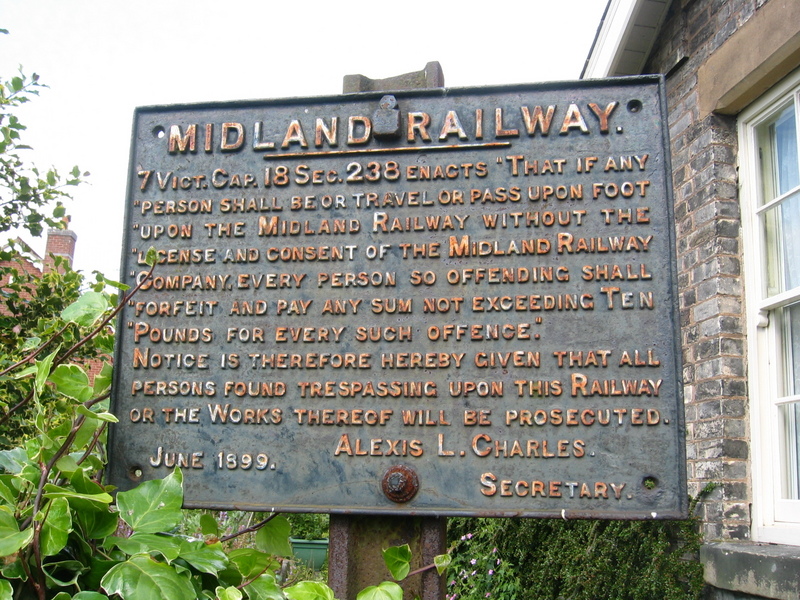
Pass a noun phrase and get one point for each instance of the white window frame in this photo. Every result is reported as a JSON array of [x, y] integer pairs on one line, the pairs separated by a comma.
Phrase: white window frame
[[774, 519]]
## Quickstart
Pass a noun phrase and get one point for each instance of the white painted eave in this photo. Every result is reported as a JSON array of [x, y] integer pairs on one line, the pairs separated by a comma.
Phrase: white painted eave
[[625, 38]]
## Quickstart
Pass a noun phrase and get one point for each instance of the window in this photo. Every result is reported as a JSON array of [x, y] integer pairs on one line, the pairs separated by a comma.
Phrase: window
[[770, 194]]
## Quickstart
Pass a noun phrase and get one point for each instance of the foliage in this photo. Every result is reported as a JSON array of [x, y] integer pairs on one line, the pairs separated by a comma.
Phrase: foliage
[[580, 560], [477, 570], [235, 527], [309, 526], [25, 191], [29, 200], [28, 304]]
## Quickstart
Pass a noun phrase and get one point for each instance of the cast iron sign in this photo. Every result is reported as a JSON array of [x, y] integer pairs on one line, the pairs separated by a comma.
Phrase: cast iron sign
[[442, 302]]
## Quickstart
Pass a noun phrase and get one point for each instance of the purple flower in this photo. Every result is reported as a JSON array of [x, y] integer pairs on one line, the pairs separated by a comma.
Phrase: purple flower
[[491, 571], [473, 561]]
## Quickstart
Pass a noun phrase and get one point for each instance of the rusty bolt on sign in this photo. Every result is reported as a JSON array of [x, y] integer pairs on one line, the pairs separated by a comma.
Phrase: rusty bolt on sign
[[400, 483]]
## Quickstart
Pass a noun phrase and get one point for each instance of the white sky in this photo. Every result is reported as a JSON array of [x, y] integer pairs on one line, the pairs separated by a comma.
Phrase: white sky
[[102, 58]]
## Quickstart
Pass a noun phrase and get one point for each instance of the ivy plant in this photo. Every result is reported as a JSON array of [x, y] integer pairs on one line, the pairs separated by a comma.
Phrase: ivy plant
[[64, 535]]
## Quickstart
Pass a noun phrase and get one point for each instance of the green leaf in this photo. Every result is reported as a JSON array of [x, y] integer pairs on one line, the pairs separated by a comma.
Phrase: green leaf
[[31, 473], [102, 380], [398, 561], [94, 518], [105, 281], [149, 543], [80, 596], [56, 526], [206, 558], [64, 573], [43, 370], [250, 563], [100, 415], [97, 523], [309, 590], [89, 596], [54, 491], [67, 464], [87, 497], [273, 538], [72, 381], [153, 506], [228, 593], [13, 570], [142, 578], [31, 343], [209, 525], [97, 570], [14, 460], [151, 257], [11, 538], [7, 491], [86, 310], [32, 370], [388, 590], [6, 591], [441, 562]]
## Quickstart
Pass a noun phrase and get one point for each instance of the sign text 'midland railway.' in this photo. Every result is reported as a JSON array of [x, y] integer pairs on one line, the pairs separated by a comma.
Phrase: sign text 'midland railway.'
[[356, 131], [443, 302]]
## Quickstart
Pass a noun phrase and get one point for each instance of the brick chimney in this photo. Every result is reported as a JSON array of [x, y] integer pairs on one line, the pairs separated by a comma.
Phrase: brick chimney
[[60, 242]]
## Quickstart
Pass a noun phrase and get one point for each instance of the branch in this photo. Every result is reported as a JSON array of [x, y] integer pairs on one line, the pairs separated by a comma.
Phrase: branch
[[421, 570], [93, 443], [36, 352], [255, 527], [76, 425], [249, 581]]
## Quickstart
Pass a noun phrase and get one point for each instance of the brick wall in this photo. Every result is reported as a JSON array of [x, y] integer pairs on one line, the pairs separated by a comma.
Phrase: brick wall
[[710, 264]]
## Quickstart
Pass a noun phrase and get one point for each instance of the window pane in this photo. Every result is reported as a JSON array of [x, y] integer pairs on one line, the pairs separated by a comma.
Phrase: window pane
[[782, 229], [790, 412], [777, 141], [791, 350], [785, 140], [790, 417]]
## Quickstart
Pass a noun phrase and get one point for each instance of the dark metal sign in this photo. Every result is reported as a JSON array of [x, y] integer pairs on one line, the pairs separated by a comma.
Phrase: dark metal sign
[[443, 302]]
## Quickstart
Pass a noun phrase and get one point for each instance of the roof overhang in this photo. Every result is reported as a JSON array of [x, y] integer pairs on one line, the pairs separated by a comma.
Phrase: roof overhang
[[625, 38]]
